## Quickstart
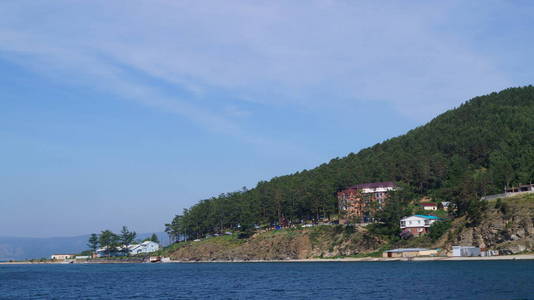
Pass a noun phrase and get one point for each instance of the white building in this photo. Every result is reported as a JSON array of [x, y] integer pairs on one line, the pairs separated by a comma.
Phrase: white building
[[144, 247], [376, 187], [417, 224], [61, 256], [465, 251]]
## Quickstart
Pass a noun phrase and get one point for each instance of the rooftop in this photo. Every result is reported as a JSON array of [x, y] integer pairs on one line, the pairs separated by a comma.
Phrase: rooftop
[[374, 185], [428, 217], [406, 250]]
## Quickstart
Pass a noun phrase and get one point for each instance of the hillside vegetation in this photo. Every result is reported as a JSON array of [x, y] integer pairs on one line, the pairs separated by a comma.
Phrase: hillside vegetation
[[476, 149], [507, 225]]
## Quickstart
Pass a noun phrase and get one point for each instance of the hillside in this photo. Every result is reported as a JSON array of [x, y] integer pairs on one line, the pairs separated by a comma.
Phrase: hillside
[[297, 243], [476, 149], [506, 225]]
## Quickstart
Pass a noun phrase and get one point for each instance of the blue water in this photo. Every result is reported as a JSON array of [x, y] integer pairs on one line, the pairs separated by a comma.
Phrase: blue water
[[325, 280]]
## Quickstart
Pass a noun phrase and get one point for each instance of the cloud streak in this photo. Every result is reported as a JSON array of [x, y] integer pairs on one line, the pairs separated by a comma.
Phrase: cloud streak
[[325, 53]]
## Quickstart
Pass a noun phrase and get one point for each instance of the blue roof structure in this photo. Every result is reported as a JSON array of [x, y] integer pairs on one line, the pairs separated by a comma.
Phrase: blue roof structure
[[429, 217]]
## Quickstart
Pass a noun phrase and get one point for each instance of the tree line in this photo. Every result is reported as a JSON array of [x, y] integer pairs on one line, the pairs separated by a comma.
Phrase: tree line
[[479, 148], [112, 242]]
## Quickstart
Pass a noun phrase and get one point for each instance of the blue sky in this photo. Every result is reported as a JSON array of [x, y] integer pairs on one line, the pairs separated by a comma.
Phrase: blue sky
[[125, 112]]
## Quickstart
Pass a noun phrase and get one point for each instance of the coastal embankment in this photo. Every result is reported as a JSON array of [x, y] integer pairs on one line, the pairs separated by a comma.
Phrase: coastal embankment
[[342, 259], [507, 228]]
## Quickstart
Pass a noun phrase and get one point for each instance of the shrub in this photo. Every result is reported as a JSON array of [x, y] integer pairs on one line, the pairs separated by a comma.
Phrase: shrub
[[437, 229], [498, 203], [406, 235], [349, 229]]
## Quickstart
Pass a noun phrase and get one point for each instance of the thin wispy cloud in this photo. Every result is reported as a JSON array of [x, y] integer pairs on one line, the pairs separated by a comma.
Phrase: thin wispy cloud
[[267, 51]]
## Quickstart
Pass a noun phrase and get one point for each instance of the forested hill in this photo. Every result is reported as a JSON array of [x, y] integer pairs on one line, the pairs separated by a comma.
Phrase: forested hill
[[478, 148]]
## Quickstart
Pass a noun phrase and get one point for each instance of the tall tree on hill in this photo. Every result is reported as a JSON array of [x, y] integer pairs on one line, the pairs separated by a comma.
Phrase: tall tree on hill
[[154, 238], [109, 240], [126, 236], [93, 242], [175, 230]]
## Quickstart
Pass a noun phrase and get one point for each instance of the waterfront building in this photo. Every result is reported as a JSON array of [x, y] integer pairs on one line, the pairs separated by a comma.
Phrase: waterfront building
[[409, 252], [61, 256], [144, 247], [465, 251]]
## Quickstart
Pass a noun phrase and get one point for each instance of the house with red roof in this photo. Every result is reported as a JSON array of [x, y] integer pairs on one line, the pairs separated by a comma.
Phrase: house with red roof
[[429, 205]]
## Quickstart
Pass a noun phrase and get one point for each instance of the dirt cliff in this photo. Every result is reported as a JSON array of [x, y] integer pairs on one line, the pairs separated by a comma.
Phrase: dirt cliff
[[320, 241]]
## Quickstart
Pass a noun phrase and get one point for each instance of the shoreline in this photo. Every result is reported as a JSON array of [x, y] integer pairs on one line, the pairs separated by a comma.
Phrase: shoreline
[[374, 259], [346, 259]]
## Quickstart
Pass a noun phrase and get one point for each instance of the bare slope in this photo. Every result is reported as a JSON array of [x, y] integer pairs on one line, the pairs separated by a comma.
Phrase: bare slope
[[320, 241]]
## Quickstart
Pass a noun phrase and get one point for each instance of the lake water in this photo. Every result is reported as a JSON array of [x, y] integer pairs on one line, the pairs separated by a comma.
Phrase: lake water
[[323, 280]]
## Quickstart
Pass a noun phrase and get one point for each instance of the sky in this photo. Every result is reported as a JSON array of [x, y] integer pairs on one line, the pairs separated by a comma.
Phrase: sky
[[126, 112]]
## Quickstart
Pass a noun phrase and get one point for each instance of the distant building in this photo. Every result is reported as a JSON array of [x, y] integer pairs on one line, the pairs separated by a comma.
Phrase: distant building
[[359, 203], [465, 251], [144, 247], [104, 252], [409, 252], [61, 256], [417, 224], [511, 192], [521, 188], [429, 206]]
